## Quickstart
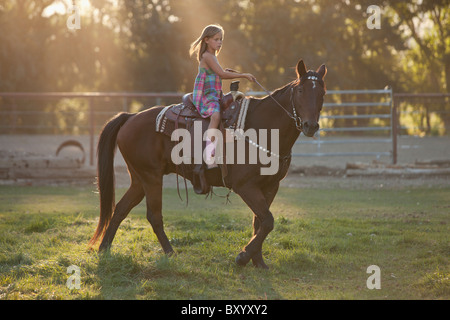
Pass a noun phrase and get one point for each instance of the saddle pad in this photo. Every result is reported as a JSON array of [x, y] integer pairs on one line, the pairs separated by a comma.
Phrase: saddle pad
[[240, 124], [161, 120]]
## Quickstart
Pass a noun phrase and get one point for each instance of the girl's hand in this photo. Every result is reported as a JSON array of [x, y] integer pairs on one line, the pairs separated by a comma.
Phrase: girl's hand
[[249, 77]]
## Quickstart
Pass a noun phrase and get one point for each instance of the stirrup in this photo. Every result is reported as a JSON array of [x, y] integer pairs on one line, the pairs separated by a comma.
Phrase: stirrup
[[201, 186]]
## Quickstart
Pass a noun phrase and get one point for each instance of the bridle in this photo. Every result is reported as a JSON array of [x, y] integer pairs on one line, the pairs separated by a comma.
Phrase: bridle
[[293, 115], [310, 75]]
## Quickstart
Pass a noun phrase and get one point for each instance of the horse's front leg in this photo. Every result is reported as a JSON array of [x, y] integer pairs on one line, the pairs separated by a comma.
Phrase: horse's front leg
[[257, 258], [263, 223], [269, 194]]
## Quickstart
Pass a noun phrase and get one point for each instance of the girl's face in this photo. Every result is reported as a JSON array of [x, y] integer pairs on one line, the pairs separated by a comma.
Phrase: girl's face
[[214, 43]]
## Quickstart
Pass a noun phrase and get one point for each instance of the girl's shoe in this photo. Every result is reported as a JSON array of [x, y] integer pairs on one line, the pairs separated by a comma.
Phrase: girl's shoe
[[210, 152]]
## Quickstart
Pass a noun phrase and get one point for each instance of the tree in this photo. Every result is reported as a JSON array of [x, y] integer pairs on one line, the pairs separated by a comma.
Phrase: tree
[[428, 24], [143, 45]]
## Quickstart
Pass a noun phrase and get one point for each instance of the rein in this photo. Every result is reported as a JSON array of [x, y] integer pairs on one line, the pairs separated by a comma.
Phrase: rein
[[310, 75], [293, 115]]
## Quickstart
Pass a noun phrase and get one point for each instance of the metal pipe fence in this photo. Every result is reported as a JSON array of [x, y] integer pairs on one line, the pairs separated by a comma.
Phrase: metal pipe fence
[[97, 108], [340, 109], [424, 108], [349, 117]]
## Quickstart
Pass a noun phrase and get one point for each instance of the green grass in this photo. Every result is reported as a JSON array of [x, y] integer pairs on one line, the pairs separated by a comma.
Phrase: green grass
[[322, 244]]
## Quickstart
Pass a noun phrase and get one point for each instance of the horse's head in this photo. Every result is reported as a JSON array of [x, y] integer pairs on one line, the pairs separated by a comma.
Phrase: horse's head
[[307, 97]]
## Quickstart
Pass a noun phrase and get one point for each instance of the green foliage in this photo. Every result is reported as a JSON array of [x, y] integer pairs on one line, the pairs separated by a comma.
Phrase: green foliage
[[143, 45]]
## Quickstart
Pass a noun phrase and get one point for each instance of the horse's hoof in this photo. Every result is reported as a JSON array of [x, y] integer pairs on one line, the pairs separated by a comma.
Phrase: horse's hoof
[[261, 265], [171, 254], [242, 258], [104, 248]]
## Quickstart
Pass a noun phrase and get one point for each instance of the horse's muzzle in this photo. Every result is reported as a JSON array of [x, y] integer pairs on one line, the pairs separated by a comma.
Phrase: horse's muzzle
[[310, 128]]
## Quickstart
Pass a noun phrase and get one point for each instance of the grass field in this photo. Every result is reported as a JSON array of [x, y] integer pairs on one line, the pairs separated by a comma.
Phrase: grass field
[[323, 242]]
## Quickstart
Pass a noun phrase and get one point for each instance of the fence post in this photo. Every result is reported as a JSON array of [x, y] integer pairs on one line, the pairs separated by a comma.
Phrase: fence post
[[124, 104], [394, 127], [91, 132]]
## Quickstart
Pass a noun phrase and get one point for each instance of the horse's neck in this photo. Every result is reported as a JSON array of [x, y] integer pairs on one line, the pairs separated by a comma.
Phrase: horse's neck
[[267, 114]]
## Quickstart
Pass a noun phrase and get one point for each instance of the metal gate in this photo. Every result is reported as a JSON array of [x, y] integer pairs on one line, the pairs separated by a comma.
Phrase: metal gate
[[339, 124], [342, 112]]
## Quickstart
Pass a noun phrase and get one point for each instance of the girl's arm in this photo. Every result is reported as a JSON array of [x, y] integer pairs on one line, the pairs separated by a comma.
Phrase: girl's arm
[[214, 65]]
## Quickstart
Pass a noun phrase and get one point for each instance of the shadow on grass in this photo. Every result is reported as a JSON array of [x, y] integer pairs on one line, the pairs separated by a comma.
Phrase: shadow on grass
[[119, 275]]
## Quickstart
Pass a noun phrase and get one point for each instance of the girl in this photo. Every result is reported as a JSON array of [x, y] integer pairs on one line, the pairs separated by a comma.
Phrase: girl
[[208, 83]]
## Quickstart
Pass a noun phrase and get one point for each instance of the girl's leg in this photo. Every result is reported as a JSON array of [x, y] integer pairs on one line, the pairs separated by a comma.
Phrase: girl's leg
[[214, 121], [210, 146]]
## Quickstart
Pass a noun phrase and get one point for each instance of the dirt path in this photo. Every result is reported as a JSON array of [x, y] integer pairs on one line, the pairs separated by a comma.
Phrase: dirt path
[[308, 172]]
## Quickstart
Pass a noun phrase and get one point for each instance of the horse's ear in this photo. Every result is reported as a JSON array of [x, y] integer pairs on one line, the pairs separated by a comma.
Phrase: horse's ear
[[322, 71], [301, 69]]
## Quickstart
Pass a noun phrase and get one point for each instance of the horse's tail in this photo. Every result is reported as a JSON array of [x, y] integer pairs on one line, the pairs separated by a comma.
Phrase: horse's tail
[[105, 172]]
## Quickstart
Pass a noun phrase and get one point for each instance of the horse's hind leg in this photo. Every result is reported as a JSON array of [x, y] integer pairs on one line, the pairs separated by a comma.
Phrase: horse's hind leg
[[130, 199], [153, 194]]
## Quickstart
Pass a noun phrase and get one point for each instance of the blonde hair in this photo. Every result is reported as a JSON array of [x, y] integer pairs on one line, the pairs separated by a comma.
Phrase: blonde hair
[[199, 45]]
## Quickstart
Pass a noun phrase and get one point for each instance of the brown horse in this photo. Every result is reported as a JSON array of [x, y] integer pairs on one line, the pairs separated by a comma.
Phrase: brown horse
[[291, 109]]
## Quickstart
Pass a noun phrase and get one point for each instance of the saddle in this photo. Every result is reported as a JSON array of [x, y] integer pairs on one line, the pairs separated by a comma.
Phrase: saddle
[[184, 114]]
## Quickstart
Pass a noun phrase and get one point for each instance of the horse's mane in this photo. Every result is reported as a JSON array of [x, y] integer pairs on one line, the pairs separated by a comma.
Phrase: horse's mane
[[282, 90], [276, 94], [279, 91]]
